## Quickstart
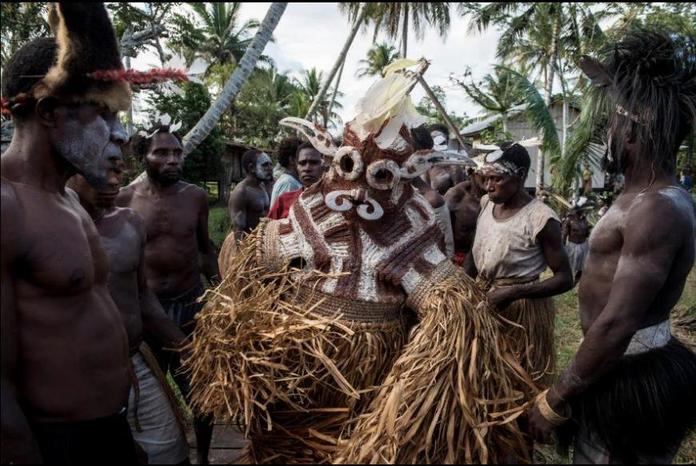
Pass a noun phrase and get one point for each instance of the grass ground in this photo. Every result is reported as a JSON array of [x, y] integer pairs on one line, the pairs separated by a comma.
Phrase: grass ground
[[568, 331]]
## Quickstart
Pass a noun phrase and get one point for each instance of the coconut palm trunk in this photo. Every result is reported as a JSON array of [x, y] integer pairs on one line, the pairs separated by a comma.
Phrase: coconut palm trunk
[[404, 32], [241, 73], [549, 89], [335, 92], [339, 61]]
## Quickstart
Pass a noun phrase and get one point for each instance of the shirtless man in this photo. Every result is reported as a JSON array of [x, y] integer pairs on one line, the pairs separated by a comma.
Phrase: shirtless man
[[151, 414], [176, 220], [576, 230], [631, 383], [249, 201], [65, 368], [464, 203]]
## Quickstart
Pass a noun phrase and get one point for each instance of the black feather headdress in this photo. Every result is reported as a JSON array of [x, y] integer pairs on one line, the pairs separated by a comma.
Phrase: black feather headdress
[[646, 83]]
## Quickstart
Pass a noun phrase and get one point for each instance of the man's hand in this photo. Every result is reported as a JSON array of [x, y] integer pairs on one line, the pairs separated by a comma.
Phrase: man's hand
[[540, 428], [500, 298]]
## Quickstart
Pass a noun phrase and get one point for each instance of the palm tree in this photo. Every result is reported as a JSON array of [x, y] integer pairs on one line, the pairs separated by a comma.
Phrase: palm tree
[[497, 93], [357, 16], [395, 18], [238, 78], [378, 58], [544, 35], [310, 86], [214, 34]]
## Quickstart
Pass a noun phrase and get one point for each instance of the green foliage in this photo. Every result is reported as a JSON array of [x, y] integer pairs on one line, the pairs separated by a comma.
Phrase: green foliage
[[219, 225], [21, 23], [212, 31], [203, 163], [427, 108], [537, 111], [378, 57]]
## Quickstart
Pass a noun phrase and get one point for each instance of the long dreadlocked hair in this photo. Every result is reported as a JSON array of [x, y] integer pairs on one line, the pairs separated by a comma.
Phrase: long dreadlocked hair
[[646, 84]]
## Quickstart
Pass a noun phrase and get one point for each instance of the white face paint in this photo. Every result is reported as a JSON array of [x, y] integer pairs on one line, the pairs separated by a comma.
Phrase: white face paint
[[264, 167], [88, 146]]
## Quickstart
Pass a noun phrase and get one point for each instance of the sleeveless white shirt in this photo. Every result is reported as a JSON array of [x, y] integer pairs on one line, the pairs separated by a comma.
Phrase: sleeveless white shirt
[[509, 248]]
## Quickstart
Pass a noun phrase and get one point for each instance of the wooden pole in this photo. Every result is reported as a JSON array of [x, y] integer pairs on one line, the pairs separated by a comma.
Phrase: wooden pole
[[442, 111]]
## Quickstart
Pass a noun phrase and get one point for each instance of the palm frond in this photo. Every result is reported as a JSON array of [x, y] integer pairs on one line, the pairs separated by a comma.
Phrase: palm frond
[[584, 141], [537, 112]]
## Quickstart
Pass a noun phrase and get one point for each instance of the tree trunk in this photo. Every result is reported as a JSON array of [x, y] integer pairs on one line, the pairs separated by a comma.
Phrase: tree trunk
[[404, 33], [339, 61], [503, 118], [129, 125], [549, 89], [564, 91], [335, 92], [239, 76]]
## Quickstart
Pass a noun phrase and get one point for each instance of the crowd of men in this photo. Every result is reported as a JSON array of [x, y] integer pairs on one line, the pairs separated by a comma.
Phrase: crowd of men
[[101, 282]]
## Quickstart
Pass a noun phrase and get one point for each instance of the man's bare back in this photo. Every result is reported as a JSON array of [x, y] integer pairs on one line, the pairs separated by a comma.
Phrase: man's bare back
[[639, 214], [464, 203], [171, 221], [58, 285]]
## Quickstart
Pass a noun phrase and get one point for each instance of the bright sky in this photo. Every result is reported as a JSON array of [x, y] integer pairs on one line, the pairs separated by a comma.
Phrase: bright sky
[[312, 35]]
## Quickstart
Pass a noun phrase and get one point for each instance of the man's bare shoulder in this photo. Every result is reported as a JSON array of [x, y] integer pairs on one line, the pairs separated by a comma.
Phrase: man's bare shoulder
[[130, 216], [671, 206], [125, 194], [190, 189]]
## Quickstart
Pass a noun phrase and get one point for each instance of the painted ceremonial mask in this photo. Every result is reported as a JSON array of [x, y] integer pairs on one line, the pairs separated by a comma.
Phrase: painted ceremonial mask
[[363, 219]]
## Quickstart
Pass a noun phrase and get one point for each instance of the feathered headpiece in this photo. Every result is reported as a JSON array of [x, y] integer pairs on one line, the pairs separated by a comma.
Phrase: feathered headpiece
[[88, 63], [647, 86], [381, 129]]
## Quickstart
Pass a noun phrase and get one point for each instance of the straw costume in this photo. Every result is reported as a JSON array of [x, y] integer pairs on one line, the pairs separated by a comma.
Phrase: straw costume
[[307, 342]]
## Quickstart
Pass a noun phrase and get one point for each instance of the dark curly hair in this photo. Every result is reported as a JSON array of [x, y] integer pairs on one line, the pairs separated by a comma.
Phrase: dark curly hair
[[288, 149], [140, 145], [27, 67]]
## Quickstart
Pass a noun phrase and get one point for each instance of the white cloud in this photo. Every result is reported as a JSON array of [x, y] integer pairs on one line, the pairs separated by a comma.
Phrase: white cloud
[[312, 35]]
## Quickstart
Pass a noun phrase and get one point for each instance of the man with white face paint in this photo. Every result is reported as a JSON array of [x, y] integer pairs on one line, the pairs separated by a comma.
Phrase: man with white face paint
[[65, 367], [249, 201]]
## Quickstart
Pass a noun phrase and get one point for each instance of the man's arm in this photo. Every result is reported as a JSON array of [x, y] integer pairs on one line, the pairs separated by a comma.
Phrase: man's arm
[[238, 213], [205, 246], [557, 260], [565, 227], [18, 443]]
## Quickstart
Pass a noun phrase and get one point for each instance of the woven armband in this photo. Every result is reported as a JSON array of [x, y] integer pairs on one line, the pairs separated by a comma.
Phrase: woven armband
[[547, 412]]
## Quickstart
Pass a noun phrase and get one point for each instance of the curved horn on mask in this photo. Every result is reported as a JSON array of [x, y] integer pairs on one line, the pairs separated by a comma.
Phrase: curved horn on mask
[[421, 160], [318, 137]]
